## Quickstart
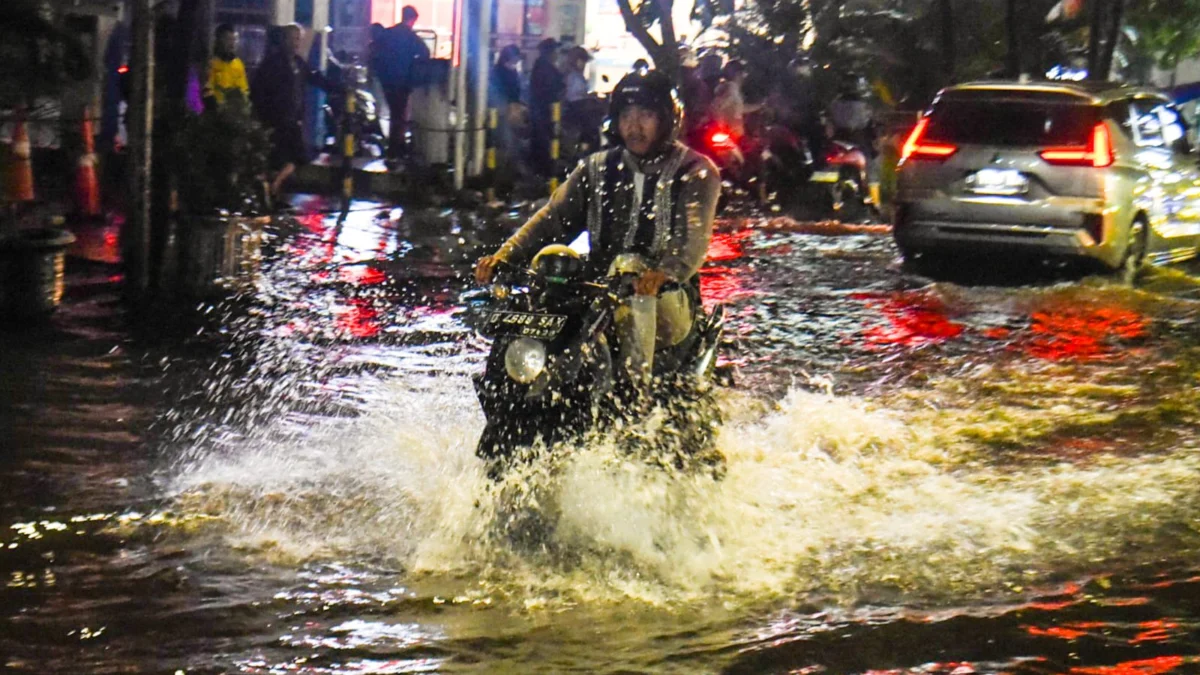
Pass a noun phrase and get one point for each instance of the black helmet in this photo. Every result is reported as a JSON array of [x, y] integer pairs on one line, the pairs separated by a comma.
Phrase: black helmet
[[650, 89]]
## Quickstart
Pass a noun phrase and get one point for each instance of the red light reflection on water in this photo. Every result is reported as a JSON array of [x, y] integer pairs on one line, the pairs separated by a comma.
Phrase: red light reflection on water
[[358, 319], [1067, 631], [1154, 666], [1155, 631], [912, 320], [1082, 333], [361, 275], [313, 222], [727, 245], [723, 285], [949, 668], [1121, 602]]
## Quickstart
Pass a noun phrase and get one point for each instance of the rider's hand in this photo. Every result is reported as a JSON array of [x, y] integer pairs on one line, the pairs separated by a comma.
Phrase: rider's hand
[[650, 282], [485, 268]]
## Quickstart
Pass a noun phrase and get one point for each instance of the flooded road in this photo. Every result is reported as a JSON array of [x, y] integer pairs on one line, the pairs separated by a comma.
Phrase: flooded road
[[923, 477]]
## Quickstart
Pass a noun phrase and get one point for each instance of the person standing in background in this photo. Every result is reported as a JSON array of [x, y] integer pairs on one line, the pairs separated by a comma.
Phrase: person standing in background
[[398, 49], [576, 84], [546, 87], [583, 112], [729, 107], [505, 97], [278, 97], [226, 72], [506, 78], [696, 94]]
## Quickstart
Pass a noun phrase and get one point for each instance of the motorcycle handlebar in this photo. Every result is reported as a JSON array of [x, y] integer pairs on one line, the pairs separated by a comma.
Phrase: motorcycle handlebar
[[508, 274]]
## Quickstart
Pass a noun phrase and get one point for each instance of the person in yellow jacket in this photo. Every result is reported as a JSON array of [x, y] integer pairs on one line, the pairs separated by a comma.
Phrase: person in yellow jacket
[[226, 72]]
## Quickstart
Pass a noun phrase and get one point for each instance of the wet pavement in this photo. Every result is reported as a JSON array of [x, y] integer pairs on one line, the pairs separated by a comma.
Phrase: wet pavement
[[924, 477]]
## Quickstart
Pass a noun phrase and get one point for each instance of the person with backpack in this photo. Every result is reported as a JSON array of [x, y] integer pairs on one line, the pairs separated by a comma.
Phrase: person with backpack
[[398, 50]]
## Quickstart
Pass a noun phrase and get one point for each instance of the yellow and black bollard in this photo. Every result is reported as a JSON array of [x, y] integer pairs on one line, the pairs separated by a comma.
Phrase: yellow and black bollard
[[349, 142], [555, 143], [490, 156]]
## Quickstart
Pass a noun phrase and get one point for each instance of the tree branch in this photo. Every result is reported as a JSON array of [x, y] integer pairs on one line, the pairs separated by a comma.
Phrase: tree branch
[[635, 28]]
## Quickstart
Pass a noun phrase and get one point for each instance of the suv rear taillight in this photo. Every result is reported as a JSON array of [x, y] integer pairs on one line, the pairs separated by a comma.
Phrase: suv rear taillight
[[1098, 152], [916, 147]]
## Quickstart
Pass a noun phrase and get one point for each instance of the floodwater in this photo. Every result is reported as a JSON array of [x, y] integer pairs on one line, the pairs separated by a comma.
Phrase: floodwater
[[922, 477]]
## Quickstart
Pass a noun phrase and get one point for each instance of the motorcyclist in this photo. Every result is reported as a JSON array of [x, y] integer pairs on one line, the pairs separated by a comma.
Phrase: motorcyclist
[[649, 195]]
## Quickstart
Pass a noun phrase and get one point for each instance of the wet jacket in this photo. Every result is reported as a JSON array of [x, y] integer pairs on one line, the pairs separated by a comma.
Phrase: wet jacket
[[506, 86], [224, 76], [662, 208], [278, 89], [398, 49], [546, 86]]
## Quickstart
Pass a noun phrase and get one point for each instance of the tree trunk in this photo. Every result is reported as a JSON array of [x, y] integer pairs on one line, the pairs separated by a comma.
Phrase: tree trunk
[[1095, 31], [1012, 28], [665, 55], [946, 16], [1111, 37]]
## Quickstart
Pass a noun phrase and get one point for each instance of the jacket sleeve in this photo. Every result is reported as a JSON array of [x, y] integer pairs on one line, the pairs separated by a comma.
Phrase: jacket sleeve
[[240, 80], [696, 208], [562, 219], [316, 78]]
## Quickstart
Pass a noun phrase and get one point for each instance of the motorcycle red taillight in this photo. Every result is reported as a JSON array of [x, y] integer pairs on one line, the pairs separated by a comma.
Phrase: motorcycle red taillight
[[721, 138], [1098, 153], [916, 147]]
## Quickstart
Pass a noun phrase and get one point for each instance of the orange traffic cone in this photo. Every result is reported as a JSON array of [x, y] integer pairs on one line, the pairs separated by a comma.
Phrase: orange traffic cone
[[87, 187], [18, 177]]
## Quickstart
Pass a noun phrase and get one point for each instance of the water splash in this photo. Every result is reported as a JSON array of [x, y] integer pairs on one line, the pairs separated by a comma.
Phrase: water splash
[[824, 497]]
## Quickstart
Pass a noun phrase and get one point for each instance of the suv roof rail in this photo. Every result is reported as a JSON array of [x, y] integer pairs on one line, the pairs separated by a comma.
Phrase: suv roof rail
[[1094, 91]]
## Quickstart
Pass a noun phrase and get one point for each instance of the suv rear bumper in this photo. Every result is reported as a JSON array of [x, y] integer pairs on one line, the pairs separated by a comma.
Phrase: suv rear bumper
[[1087, 232]]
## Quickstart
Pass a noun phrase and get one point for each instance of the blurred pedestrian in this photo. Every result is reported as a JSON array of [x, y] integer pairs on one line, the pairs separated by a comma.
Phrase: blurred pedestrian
[[277, 93], [546, 87], [577, 87], [226, 72], [697, 97], [794, 100], [398, 51], [583, 111], [851, 115], [506, 77], [505, 97], [729, 107], [710, 67]]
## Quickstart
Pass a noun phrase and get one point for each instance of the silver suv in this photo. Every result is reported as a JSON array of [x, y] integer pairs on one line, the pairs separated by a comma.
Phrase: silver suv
[[1093, 170]]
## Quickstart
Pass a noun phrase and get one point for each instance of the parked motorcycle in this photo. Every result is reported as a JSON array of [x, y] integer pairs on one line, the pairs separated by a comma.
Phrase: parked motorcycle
[[364, 122], [553, 373]]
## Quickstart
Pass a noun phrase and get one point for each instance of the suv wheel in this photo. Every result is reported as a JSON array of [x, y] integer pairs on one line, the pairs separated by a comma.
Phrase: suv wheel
[[1135, 252]]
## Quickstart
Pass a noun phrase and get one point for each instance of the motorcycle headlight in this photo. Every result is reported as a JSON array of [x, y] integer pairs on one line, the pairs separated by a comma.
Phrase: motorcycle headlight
[[525, 359]]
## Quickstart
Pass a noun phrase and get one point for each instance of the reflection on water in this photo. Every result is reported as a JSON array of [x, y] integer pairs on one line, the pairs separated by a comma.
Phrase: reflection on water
[[922, 478]]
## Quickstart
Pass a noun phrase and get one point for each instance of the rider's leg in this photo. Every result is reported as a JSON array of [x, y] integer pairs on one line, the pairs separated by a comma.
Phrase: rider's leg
[[674, 318], [645, 324], [635, 320]]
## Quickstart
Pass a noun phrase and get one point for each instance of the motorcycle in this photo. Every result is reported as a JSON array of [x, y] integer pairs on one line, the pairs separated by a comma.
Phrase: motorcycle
[[553, 373], [351, 79], [782, 162], [845, 175]]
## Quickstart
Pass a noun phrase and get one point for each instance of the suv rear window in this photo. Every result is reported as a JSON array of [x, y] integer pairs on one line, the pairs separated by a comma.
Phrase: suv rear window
[[1011, 122]]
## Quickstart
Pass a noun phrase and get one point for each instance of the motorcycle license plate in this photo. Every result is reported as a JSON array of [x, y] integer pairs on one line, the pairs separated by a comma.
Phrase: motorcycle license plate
[[525, 324]]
